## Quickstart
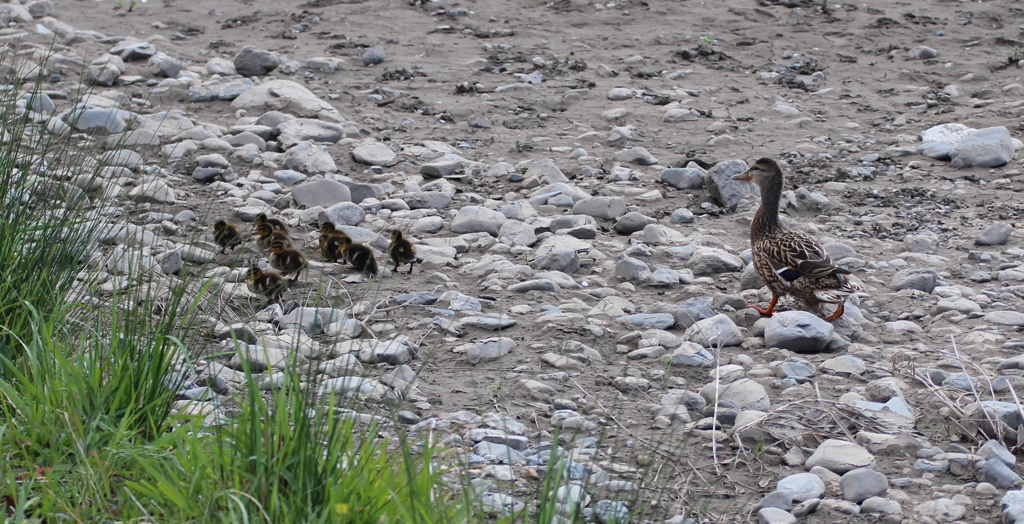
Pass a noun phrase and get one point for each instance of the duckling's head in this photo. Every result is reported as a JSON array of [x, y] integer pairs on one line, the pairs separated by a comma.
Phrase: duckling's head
[[264, 229], [219, 225], [396, 236], [763, 170], [344, 242], [255, 273], [260, 218], [277, 247], [327, 227]]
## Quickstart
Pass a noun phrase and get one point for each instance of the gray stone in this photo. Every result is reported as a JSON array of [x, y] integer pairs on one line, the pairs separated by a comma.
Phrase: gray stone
[[997, 473], [711, 261], [502, 453], [399, 350], [546, 170], [206, 174], [881, 505], [993, 449], [795, 368], [374, 154], [648, 320], [488, 322], [798, 331], [683, 178], [445, 167], [516, 233], [941, 510], [105, 75], [840, 456], [996, 235], [777, 499], [632, 269], [726, 191], [682, 216], [1005, 318], [936, 150], [255, 62], [632, 222], [287, 177], [291, 132], [121, 158], [373, 56], [108, 120], [919, 279], [489, 349], [718, 330], [539, 284], [343, 214], [604, 208], [664, 277], [636, 155], [155, 191], [1013, 506], [286, 96], [921, 53], [303, 318], [309, 159], [476, 219], [846, 365], [775, 516], [426, 200], [746, 393], [566, 261], [920, 244], [989, 147], [802, 486], [323, 193], [863, 483], [691, 354], [246, 137]]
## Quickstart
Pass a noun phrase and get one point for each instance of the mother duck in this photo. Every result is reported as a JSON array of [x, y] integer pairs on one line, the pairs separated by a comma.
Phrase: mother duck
[[791, 262]]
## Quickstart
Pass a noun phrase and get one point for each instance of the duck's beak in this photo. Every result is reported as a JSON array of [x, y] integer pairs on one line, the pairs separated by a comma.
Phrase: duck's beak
[[743, 176]]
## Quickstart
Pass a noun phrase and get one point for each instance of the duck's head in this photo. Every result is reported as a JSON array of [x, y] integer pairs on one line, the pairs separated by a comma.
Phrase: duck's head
[[327, 227], [260, 218], [219, 225], [264, 230], [277, 247], [255, 273], [762, 170], [344, 242], [396, 235]]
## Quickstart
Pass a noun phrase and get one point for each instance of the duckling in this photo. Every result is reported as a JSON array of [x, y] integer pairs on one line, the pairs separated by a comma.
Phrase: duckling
[[286, 260], [266, 235], [267, 283], [359, 255], [226, 235], [275, 223], [401, 251], [330, 246], [791, 262]]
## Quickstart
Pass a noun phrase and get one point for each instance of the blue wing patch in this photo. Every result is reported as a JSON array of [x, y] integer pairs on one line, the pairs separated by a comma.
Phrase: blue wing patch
[[788, 274]]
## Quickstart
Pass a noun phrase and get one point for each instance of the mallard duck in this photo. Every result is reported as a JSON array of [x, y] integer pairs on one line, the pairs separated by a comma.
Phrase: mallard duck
[[791, 262], [267, 283], [359, 255], [266, 235], [286, 260], [226, 235], [401, 251], [275, 223]]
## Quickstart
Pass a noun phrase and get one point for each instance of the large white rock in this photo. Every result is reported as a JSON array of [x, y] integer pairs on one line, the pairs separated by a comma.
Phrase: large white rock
[[288, 97]]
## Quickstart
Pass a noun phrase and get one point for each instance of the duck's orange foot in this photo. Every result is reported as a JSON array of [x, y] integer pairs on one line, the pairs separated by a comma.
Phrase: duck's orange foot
[[769, 310], [838, 313]]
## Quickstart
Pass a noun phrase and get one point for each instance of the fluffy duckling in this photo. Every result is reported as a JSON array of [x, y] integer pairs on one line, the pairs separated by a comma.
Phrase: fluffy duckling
[[266, 235], [330, 246], [401, 251], [226, 235], [791, 262], [275, 223], [286, 260], [267, 283], [359, 255]]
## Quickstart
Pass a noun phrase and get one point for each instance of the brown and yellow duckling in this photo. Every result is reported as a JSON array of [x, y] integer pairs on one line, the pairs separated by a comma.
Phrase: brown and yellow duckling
[[791, 262], [267, 283], [286, 260], [226, 235], [359, 255], [331, 246], [266, 235], [401, 251], [275, 223]]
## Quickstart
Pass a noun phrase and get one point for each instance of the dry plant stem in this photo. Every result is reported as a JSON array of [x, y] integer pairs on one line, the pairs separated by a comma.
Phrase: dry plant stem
[[831, 413]]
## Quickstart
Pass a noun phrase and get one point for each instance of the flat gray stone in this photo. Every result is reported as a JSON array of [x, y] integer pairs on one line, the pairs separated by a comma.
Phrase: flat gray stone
[[989, 147], [476, 219], [323, 193], [632, 269], [714, 331], [683, 178], [374, 154], [798, 331], [726, 191], [309, 159], [489, 349], [840, 456], [861, 484], [996, 235], [604, 208], [919, 279], [255, 62]]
